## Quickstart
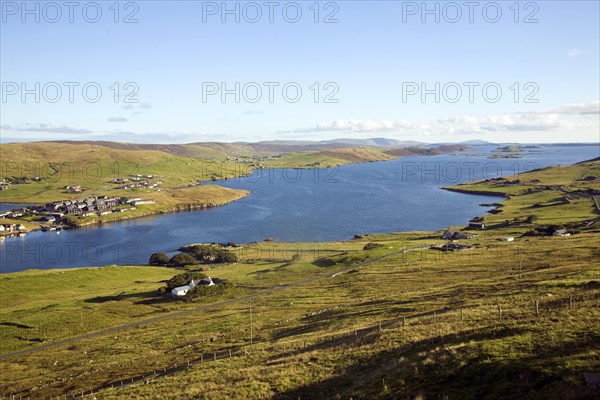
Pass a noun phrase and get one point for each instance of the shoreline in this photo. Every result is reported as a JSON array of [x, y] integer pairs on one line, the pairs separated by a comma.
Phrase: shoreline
[[186, 207], [475, 192], [97, 221]]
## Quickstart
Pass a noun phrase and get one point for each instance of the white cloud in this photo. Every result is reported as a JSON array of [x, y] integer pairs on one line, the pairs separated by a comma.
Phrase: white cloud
[[360, 126], [573, 53], [116, 119], [564, 118], [48, 128]]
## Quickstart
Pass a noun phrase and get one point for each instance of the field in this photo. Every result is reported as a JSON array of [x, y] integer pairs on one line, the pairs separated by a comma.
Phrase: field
[[327, 320], [541, 193], [93, 167], [328, 158]]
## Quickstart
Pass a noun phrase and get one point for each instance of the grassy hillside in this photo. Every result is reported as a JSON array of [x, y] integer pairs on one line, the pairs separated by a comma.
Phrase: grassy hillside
[[94, 166], [49, 167], [328, 158], [543, 192], [325, 320]]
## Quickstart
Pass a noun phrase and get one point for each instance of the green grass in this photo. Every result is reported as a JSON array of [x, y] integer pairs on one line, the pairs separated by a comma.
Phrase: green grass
[[320, 338], [532, 197], [328, 158], [93, 166]]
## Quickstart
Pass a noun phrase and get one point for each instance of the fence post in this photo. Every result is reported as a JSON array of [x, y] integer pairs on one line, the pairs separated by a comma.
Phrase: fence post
[[215, 355], [571, 301], [229, 353], [537, 308], [462, 315], [403, 321]]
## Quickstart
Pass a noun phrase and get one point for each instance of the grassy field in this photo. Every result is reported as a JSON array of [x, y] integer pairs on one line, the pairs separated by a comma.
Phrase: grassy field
[[328, 158], [326, 320], [93, 167], [541, 193]]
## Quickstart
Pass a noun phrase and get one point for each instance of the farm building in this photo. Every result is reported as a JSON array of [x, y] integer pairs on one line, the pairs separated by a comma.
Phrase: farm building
[[476, 225], [455, 235], [182, 290]]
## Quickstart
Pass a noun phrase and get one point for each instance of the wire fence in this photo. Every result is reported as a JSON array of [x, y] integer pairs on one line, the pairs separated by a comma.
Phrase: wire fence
[[348, 336]]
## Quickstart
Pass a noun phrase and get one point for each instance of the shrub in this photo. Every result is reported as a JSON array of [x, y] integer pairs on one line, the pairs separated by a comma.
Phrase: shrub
[[210, 254], [158, 259], [181, 260], [205, 291], [183, 279], [226, 257], [370, 246]]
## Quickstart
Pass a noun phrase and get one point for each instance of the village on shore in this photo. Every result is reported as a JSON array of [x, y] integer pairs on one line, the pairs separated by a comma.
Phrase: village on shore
[[56, 215]]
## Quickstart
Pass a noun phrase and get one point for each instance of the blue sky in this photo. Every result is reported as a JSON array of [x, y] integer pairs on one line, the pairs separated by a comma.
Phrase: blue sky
[[374, 62]]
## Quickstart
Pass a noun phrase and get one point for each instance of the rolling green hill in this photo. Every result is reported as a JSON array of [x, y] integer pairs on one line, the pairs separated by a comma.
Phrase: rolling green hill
[[378, 317]]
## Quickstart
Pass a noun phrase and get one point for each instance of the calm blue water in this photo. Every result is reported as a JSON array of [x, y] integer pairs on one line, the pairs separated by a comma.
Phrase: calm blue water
[[295, 205], [10, 206]]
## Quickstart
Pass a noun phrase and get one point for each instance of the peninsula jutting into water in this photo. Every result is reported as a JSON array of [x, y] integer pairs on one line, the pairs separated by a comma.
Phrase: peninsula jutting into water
[[238, 200]]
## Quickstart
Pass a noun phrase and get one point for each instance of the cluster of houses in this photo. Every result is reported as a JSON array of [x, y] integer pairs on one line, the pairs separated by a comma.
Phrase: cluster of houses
[[183, 290], [12, 227], [136, 181], [101, 205]]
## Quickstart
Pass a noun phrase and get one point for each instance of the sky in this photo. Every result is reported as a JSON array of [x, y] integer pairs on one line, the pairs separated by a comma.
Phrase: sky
[[195, 71]]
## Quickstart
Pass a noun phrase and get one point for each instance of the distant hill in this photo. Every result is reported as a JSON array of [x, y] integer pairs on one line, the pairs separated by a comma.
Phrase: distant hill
[[378, 142], [476, 142], [420, 151], [307, 145]]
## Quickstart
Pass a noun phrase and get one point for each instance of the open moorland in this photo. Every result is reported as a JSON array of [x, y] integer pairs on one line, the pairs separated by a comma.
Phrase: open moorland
[[514, 314]]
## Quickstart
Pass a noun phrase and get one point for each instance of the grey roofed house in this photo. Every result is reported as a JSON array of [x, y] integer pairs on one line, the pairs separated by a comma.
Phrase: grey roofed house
[[456, 235], [206, 282], [476, 225], [71, 209], [561, 232]]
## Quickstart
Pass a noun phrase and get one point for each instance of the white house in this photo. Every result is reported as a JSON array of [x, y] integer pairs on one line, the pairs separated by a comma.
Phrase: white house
[[508, 239], [182, 290]]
